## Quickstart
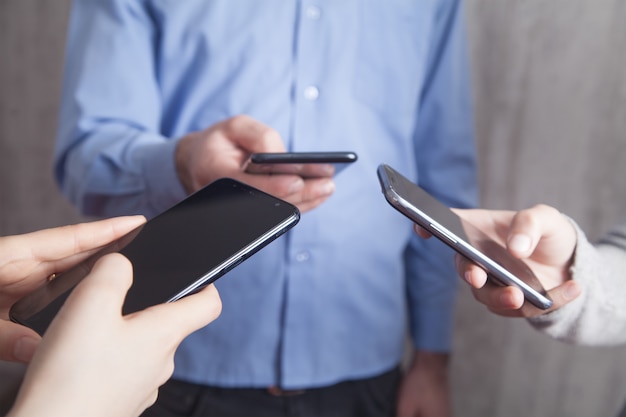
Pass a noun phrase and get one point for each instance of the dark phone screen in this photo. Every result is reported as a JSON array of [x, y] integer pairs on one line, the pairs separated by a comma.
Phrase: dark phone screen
[[203, 236]]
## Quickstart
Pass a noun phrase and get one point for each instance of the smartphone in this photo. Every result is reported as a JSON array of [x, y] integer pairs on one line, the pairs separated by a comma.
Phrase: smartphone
[[423, 209], [291, 162], [178, 252]]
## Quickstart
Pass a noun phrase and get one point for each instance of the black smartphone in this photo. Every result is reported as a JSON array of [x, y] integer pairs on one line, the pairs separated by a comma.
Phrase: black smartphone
[[292, 162], [178, 252], [443, 223]]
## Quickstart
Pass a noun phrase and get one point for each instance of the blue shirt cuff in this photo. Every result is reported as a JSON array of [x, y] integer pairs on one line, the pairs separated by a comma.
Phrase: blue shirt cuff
[[163, 187]]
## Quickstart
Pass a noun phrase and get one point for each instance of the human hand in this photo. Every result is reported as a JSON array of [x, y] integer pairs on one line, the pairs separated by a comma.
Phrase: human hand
[[28, 259], [222, 151], [94, 362], [424, 391], [542, 237]]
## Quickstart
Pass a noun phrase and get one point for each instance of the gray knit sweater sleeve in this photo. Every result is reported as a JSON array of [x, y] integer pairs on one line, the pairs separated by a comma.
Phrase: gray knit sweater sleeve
[[598, 315]]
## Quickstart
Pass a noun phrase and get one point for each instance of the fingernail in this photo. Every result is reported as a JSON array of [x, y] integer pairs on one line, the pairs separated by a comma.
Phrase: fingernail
[[24, 348], [296, 185], [132, 221], [473, 280], [519, 243], [328, 187]]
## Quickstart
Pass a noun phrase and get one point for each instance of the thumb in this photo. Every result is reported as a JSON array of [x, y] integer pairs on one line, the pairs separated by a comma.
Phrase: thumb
[[17, 343], [104, 288], [524, 234], [252, 135], [188, 314], [529, 226]]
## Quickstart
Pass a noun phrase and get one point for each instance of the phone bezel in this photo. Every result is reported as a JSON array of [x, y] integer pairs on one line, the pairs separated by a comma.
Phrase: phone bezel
[[332, 157]]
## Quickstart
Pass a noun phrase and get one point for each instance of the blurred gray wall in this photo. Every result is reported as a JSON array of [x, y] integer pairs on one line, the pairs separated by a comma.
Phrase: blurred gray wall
[[550, 92], [32, 37]]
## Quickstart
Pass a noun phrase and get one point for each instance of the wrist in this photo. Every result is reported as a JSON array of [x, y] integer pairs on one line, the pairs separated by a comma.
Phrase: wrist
[[430, 361], [181, 163]]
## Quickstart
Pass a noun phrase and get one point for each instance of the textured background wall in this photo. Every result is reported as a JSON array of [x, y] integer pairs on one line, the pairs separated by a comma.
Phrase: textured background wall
[[550, 92], [32, 37]]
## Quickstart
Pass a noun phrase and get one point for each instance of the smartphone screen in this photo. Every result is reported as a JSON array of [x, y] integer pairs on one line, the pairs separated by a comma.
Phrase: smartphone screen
[[177, 252], [306, 164], [466, 239]]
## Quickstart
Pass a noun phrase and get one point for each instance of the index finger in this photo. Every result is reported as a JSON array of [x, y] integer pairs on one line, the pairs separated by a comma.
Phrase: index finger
[[58, 243], [421, 232], [470, 272]]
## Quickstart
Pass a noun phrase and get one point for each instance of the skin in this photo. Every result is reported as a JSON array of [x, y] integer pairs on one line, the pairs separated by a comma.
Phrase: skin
[[28, 259], [540, 236], [92, 360], [424, 390], [223, 150]]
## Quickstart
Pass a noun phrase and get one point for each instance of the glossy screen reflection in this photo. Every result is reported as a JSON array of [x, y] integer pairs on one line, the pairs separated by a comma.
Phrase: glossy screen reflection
[[179, 251], [438, 219]]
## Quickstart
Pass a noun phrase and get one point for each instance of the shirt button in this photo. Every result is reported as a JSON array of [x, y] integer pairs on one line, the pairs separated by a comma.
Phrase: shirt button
[[311, 93], [302, 256], [313, 12]]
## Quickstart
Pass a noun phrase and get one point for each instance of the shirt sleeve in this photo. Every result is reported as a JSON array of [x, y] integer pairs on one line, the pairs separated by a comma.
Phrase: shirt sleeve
[[109, 157], [597, 316], [445, 153]]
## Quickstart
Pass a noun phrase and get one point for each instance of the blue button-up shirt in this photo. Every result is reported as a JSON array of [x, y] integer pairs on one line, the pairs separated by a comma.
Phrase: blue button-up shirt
[[387, 79]]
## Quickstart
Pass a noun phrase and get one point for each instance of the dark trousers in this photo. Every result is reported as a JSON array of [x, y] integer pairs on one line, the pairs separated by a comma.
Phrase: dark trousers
[[375, 397]]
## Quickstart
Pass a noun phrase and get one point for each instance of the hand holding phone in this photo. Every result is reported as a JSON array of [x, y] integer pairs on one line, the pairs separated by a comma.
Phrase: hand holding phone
[[543, 238], [177, 252], [305, 164], [93, 358], [440, 221]]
